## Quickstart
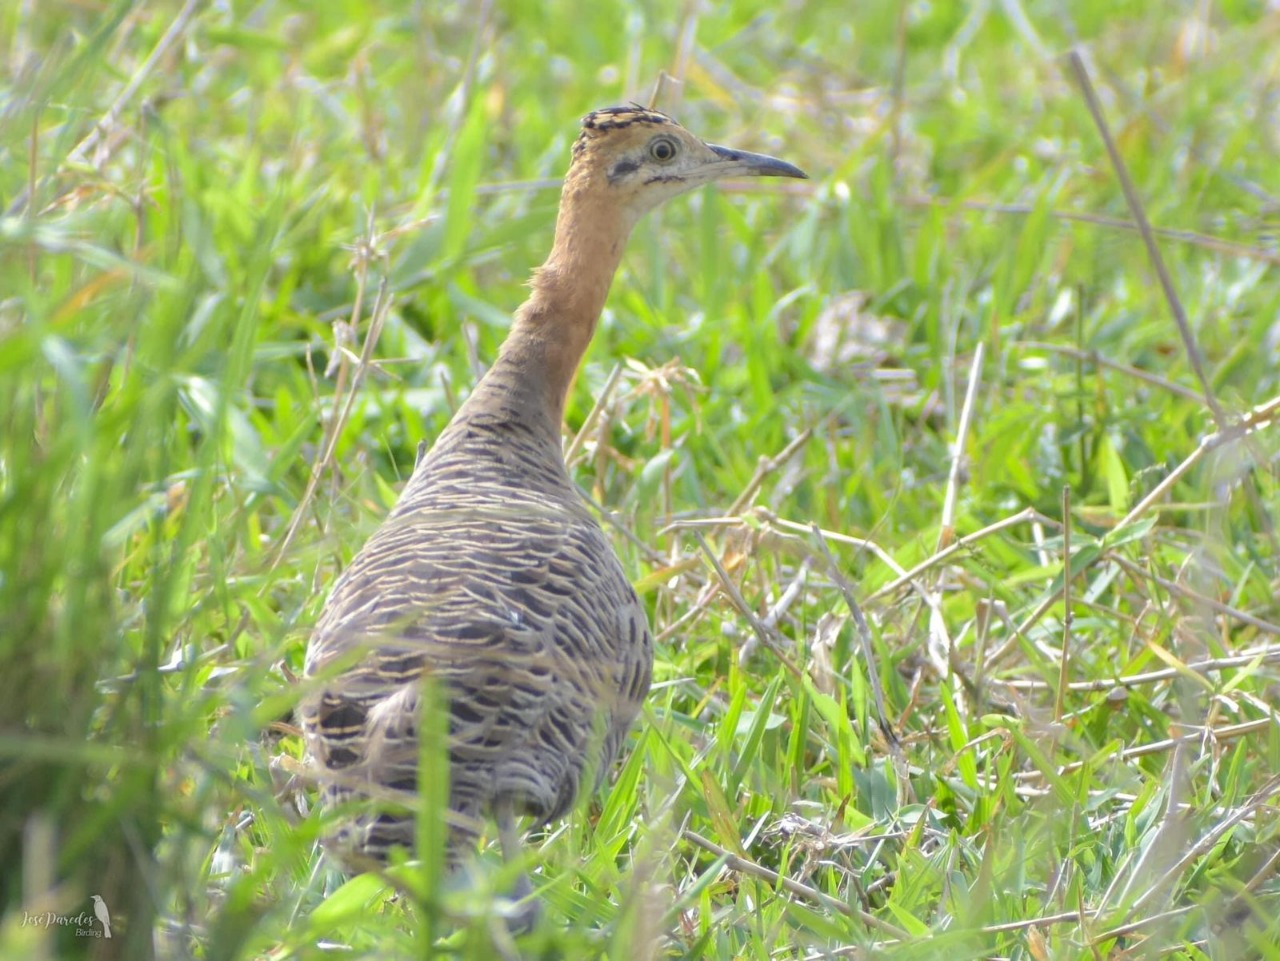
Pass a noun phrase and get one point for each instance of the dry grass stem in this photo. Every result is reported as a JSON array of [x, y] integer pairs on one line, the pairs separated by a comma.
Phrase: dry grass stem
[[1216, 244], [1139, 213], [765, 467], [863, 631], [737, 862], [1025, 516], [946, 527], [1195, 597], [1248, 658], [1064, 657], [588, 425], [107, 123], [1196, 735], [1094, 357], [364, 254], [764, 634], [775, 613], [1261, 416]]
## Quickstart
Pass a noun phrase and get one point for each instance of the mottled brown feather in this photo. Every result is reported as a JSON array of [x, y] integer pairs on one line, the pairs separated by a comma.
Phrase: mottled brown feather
[[490, 575]]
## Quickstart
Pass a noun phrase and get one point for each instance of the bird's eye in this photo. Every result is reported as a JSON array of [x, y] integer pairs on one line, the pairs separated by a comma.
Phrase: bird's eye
[[663, 150]]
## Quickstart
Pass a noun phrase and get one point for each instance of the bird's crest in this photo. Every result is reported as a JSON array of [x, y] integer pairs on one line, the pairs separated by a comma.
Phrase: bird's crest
[[602, 121]]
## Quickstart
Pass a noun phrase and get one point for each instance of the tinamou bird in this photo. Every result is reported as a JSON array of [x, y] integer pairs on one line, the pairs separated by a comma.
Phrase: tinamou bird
[[491, 576]]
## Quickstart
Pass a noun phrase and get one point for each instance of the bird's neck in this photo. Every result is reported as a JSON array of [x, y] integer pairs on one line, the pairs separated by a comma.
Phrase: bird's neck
[[553, 328]]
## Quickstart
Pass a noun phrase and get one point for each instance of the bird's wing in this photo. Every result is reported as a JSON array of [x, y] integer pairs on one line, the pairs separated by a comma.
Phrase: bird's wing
[[521, 618]]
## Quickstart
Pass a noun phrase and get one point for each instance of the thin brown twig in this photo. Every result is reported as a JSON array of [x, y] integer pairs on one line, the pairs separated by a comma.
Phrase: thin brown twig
[[651, 553], [683, 621], [107, 124], [1133, 927], [381, 306], [777, 525], [1264, 873], [1093, 357], [1260, 416], [1189, 237], [898, 92], [1139, 214], [1049, 600]]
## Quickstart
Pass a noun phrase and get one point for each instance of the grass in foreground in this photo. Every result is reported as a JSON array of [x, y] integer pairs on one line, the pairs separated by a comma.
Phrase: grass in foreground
[[297, 237]]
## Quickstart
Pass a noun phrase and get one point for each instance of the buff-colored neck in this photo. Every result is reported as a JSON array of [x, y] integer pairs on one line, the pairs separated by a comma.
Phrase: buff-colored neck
[[553, 328]]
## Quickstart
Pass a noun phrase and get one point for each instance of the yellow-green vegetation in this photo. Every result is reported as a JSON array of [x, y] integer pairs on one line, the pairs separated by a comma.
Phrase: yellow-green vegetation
[[251, 254]]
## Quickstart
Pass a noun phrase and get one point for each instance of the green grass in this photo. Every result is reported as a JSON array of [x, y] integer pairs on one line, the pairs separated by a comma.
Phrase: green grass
[[184, 302]]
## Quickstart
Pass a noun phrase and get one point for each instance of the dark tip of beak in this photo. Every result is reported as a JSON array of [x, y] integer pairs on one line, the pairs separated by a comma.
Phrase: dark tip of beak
[[742, 163]]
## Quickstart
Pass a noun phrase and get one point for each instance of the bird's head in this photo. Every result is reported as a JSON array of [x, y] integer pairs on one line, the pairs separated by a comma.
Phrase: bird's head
[[641, 158], [626, 161]]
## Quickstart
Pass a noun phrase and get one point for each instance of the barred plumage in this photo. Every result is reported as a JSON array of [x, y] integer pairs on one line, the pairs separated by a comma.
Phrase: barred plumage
[[490, 575]]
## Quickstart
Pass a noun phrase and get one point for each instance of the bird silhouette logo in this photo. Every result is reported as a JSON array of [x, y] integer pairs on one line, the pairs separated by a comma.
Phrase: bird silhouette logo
[[100, 909]]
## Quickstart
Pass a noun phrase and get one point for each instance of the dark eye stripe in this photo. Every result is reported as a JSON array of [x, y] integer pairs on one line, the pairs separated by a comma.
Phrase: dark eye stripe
[[621, 169]]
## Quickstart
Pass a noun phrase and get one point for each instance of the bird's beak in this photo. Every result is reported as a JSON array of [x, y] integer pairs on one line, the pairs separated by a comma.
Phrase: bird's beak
[[740, 163]]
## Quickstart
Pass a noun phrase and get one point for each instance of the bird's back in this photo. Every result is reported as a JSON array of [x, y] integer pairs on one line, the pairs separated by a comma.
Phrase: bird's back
[[491, 577]]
